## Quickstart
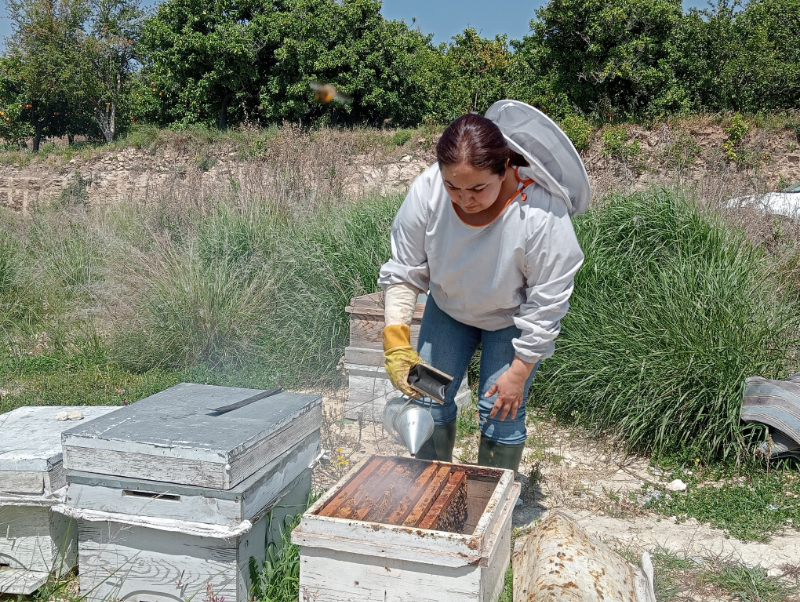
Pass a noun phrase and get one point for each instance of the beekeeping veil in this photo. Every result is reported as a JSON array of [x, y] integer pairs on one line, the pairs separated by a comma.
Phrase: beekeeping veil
[[554, 163]]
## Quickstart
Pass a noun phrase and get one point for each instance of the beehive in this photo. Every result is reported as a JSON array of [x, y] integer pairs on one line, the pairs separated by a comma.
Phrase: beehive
[[34, 540], [368, 382], [394, 529], [174, 498]]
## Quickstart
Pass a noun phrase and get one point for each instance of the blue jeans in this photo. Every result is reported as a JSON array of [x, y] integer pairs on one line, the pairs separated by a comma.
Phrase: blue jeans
[[448, 345]]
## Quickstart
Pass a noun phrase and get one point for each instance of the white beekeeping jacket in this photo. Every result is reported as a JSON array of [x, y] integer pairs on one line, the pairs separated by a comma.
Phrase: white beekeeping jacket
[[519, 269]]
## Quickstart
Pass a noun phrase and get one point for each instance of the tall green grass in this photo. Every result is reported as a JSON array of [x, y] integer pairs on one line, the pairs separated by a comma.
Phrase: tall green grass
[[252, 288], [672, 310]]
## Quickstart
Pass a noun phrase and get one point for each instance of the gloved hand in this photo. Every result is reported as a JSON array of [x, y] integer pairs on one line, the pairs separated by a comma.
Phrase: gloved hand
[[400, 357]]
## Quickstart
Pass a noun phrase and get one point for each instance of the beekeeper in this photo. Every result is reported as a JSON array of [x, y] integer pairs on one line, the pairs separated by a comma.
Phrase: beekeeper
[[487, 231]]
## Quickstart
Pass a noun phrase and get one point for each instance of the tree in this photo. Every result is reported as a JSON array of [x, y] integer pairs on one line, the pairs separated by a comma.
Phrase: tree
[[608, 56], [473, 72], [203, 57], [107, 58], [382, 65], [258, 59], [44, 77]]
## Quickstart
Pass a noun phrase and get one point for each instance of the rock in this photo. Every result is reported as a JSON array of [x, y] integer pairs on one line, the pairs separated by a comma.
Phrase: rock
[[73, 415], [676, 485]]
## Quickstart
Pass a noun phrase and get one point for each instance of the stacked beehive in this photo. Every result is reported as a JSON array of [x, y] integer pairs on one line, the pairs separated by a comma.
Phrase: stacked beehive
[[175, 499], [34, 540], [369, 384]]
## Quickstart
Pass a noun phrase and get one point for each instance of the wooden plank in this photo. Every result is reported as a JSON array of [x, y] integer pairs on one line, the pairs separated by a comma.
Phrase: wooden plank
[[351, 507], [332, 506], [194, 472], [405, 505], [55, 479], [454, 483], [34, 538], [385, 492], [367, 332], [265, 451], [21, 582], [334, 576], [432, 491], [124, 562], [145, 466], [364, 356], [19, 481]]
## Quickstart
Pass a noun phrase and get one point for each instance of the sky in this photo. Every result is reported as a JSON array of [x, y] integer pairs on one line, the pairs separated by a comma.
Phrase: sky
[[443, 18]]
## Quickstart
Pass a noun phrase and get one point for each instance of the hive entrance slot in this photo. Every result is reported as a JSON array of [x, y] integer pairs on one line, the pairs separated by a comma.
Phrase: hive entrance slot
[[4, 566], [415, 493], [153, 496]]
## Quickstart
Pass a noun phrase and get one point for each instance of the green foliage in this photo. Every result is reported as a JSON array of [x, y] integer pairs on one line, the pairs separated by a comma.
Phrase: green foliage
[[75, 192], [401, 137], [615, 144], [682, 151], [671, 312], [578, 130], [277, 579], [735, 133], [750, 584], [609, 58], [470, 75], [751, 511], [258, 60]]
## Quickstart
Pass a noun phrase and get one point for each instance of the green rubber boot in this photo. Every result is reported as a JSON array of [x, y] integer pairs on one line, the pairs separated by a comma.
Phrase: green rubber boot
[[440, 445], [500, 455]]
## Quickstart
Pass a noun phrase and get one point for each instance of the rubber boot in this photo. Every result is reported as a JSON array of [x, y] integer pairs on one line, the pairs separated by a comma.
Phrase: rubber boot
[[440, 445], [500, 455]]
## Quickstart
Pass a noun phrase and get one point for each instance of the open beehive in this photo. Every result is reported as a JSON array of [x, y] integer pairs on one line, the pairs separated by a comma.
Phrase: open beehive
[[401, 528]]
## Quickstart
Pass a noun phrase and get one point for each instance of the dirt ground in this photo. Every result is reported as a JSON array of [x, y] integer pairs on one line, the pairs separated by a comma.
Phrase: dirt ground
[[586, 478]]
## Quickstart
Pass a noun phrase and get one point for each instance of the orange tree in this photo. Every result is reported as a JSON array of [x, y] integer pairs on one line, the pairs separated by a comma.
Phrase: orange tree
[[231, 60], [43, 74]]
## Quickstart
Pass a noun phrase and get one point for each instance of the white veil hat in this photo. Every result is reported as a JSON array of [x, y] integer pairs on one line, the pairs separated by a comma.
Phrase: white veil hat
[[554, 162]]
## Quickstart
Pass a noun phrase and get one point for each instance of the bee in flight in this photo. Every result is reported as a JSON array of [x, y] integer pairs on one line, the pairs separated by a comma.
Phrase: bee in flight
[[327, 92]]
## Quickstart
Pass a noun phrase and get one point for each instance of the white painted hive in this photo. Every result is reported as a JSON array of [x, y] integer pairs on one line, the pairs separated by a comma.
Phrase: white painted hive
[[348, 559], [173, 497], [157, 560], [368, 383], [35, 540]]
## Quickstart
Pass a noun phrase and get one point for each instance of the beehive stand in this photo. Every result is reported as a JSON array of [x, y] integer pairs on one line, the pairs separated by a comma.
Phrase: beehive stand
[[34, 540], [368, 382], [397, 529]]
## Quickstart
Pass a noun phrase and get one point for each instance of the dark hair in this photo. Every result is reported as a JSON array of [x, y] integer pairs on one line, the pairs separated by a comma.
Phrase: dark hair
[[478, 142]]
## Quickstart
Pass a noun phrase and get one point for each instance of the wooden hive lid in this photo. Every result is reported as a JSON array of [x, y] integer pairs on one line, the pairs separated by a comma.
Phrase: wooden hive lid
[[30, 445], [372, 305], [175, 436]]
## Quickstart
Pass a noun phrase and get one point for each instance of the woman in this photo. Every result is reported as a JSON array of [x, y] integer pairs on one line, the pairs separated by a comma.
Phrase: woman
[[487, 230]]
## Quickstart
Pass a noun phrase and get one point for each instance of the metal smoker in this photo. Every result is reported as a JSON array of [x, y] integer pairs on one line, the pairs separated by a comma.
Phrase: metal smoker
[[408, 423]]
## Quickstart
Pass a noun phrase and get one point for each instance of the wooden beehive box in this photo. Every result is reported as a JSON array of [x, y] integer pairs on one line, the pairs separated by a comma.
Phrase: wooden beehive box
[[368, 383], [158, 560], [175, 436], [173, 497], [34, 540], [374, 535]]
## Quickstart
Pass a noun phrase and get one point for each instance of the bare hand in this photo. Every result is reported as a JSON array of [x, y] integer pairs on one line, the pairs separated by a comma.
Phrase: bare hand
[[509, 387]]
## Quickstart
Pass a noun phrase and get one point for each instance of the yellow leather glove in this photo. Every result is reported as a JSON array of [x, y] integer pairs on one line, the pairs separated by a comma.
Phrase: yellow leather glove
[[400, 357]]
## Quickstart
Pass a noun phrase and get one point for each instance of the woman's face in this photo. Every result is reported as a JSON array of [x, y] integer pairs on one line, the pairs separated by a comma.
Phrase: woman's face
[[473, 190]]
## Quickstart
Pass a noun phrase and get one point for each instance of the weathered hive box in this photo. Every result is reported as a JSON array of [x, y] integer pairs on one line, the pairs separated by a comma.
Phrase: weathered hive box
[[368, 382], [159, 560], [175, 436], [34, 540], [174, 497], [379, 534]]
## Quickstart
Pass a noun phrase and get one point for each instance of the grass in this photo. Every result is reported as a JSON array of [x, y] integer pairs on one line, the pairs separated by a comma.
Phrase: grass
[[750, 584], [672, 310], [751, 505]]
